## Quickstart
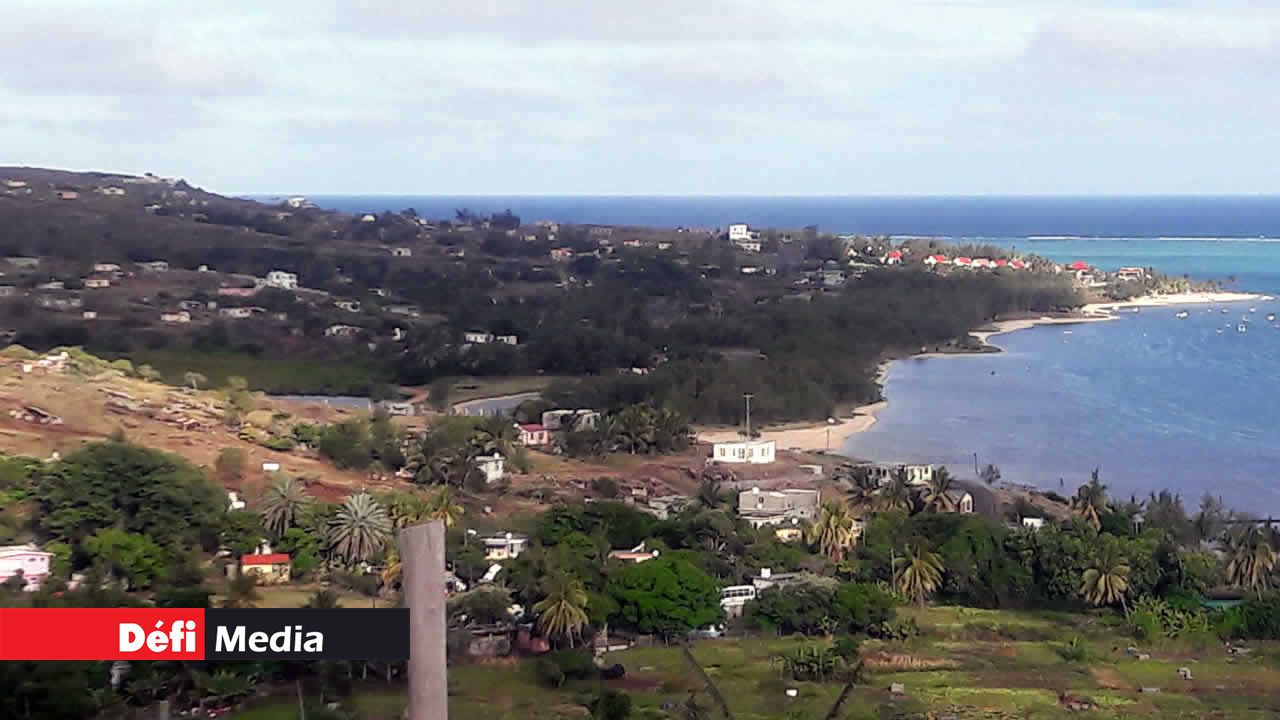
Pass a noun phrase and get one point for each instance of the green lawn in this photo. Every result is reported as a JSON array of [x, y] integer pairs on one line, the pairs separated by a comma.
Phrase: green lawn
[[967, 663]]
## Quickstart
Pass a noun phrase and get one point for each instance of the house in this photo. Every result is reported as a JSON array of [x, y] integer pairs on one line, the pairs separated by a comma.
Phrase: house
[[234, 502], [97, 283], [600, 231], [1032, 523], [52, 285], [755, 452], [960, 502], [790, 533], [549, 225], [493, 467], [402, 252], [739, 232], [635, 555], [297, 201], [368, 218], [570, 419], [8, 291], [24, 262], [1131, 273], [67, 194], [238, 313], [776, 507], [503, 546], [664, 506], [112, 191], [664, 244], [106, 268], [154, 266], [269, 568], [561, 254], [28, 561], [963, 262], [342, 331], [751, 246], [477, 337], [631, 243], [750, 269], [893, 258], [507, 339], [917, 475], [534, 435], [15, 184], [282, 279], [52, 302], [348, 305], [180, 317], [408, 311], [832, 278], [734, 598], [933, 260], [89, 315]]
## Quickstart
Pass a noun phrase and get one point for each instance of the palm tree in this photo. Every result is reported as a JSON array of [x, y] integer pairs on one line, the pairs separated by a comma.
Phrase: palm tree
[[242, 592], [359, 529], [635, 431], [1091, 500], [224, 686], [936, 494], [710, 493], [322, 600], [442, 506], [895, 494], [671, 431], [1106, 581], [862, 484], [563, 612], [282, 506], [1251, 559], [495, 434], [406, 508], [918, 574], [835, 530]]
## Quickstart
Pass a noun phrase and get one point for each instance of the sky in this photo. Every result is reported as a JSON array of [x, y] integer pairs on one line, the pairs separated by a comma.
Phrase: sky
[[662, 97]]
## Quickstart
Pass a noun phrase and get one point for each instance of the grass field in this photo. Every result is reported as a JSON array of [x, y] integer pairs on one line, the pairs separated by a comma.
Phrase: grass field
[[967, 664]]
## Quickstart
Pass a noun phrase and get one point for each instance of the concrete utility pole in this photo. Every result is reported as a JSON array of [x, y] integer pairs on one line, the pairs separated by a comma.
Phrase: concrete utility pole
[[747, 397], [422, 563]]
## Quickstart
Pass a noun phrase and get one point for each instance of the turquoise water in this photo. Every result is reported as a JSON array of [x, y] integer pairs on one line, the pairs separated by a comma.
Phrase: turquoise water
[[1152, 400]]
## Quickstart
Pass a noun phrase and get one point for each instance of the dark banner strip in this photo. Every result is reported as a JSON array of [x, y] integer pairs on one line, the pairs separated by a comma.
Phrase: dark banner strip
[[303, 634]]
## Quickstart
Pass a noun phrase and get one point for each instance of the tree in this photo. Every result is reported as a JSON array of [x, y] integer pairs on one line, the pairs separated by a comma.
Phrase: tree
[[359, 530], [668, 595], [895, 494], [1090, 501], [936, 494], [835, 531], [918, 574], [242, 592], [130, 488], [241, 533], [406, 509], [133, 558], [438, 394], [347, 444], [322, 600], [224, 686], [1106, 580], [229, 466], [990, 474], [562, 614], [282, 505], [239, 401], [710, 493], [483, 606], [194, 379], [1251, 559], [611, 705], [442, 506]]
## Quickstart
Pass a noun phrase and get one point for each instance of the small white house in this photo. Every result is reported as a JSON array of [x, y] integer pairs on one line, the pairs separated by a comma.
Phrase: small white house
[[28, 561], [494, 467], [503, 546], [234, 502], [534, 435], [283, 280], [739, 232], [181, 317], [507, 339], [756, 452], [1032, 523], [97, 283], [348, 305], [477, 338], [402, 252], [106, 268]]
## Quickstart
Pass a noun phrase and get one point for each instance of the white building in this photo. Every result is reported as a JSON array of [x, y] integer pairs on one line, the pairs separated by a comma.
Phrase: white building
[[494, 467], [503, 546], [296, 201], [112, 191], [97, 283], [583, 419], [478, 338], [181, 317], [402, 252], [106, 268], [739, 232], [234, 502], [776, 507], [1032, 523], [734, 597], [28, 561], [283, 280], [507, 339], [756, 452]]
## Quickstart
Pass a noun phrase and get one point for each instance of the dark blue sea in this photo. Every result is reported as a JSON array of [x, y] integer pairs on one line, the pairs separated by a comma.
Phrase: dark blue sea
[[1151, 400]]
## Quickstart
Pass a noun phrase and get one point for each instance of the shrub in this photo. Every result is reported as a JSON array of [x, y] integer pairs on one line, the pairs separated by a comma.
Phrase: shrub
[[848, 647], [557, 668], [611, 705], [1074, 651], [904, 628]]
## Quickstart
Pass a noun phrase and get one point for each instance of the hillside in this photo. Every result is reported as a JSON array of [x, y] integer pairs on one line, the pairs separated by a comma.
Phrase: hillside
[[53, 407]]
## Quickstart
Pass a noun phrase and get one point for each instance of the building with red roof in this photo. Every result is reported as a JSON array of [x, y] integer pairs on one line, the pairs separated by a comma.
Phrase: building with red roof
[[534, 435], [269, 568]]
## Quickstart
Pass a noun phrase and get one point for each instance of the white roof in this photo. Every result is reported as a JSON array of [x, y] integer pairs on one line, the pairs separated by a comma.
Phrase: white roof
[[27, 549]]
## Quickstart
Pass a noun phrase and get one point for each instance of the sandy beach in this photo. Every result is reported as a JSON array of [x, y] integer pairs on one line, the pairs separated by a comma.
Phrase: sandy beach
[[820, 436]]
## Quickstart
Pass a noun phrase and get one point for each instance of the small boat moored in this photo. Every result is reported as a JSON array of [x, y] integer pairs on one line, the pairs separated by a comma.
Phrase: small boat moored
[[1181, 315]]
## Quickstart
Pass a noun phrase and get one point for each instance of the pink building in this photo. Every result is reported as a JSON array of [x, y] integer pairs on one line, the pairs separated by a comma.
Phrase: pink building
[[237, 291], [25, 560]]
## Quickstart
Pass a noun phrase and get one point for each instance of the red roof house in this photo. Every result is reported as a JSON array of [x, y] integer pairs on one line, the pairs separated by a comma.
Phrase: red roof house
[[533, 434]]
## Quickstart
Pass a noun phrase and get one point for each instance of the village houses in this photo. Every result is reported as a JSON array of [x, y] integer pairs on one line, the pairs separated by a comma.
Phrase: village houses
[[268, 568], [27, 561], [756, 452], [282, 280], [534, 435], [777, 507]]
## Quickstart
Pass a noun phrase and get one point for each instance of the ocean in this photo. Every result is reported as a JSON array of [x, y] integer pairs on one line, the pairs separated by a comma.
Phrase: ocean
[[1150, 400]]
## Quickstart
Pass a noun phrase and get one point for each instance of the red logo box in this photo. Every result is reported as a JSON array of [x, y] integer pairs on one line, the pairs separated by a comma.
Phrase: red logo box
[[101, 634]]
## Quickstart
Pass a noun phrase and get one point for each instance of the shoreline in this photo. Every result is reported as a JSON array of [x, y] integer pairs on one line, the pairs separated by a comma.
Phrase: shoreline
[[812, 436]]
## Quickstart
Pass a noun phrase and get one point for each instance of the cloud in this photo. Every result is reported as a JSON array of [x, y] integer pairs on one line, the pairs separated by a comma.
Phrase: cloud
[[48, 50]]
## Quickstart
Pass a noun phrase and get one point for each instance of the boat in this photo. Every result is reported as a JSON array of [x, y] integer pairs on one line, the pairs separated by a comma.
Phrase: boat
[[1225, 311], [1253, 309], [1181, 315], [1271, 317], [1219, 331], [1242, 328], [1137, 310]]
